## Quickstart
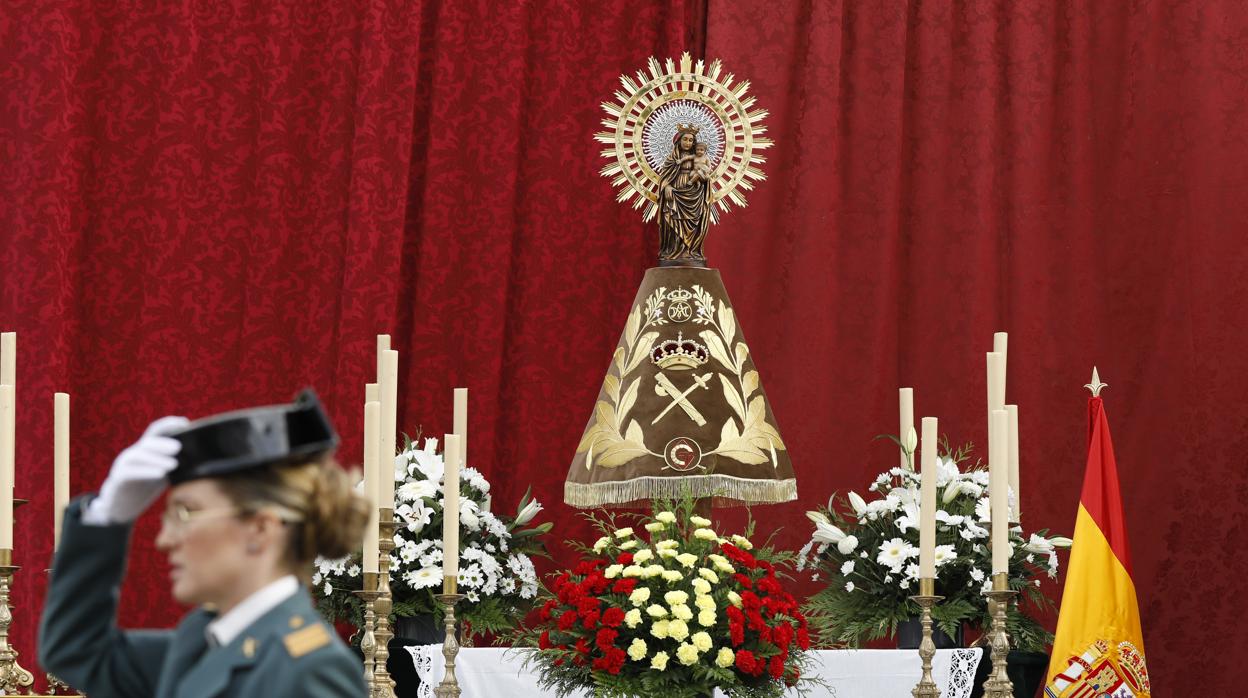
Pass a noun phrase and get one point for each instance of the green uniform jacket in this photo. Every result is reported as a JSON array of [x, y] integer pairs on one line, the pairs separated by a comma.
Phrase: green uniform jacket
[[288, 652]]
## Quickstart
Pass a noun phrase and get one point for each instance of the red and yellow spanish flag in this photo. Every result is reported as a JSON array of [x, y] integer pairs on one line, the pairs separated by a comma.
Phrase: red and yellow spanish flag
[[1099, 648]]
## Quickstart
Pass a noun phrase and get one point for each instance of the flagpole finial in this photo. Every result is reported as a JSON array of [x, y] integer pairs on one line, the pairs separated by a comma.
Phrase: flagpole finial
[[1096, 385]]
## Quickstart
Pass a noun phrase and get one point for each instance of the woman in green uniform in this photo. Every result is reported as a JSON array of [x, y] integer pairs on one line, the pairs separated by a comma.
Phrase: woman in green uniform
[[255, 497]]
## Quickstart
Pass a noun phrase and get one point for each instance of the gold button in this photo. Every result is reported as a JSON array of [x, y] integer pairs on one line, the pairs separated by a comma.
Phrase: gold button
[[296, 621]]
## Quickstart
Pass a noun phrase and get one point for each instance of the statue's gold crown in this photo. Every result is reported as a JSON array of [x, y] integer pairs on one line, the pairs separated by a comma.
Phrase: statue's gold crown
[[687, 128]]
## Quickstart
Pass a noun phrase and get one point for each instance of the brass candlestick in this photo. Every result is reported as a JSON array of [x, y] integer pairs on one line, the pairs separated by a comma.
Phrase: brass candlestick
[[368, 641], [926, 598], [449, 687], [998, 684], [383, 685], [13, 678], [55, 685]]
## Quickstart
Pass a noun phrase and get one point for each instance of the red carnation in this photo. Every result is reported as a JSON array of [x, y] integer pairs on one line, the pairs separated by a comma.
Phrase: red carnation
[[782, 635], [582, 645], [584, 567], [803, 638], [769, 585], [588, 604], [606, 639], [736, 632], [625, 586], [567, 620], [777, 667], [543, 642], [625, 559], [750, 600], [612, 617], [746, 661], [589, 620]]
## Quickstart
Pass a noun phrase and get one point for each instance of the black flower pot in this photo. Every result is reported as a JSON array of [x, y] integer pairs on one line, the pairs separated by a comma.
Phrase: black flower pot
[[910, 634], [1025, 669], [409, 631], [421, 630]]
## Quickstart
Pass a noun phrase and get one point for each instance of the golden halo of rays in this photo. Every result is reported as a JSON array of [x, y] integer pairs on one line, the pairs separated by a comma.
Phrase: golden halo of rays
[[658, 85]]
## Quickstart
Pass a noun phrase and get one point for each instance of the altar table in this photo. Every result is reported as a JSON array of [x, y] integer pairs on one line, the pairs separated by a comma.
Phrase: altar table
[[486, 672]]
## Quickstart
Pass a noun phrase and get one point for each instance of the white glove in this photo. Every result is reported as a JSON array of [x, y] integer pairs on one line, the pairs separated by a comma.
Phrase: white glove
[[138, 476]]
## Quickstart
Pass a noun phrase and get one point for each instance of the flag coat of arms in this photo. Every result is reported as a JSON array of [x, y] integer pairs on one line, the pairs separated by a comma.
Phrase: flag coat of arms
[[1099, 647]]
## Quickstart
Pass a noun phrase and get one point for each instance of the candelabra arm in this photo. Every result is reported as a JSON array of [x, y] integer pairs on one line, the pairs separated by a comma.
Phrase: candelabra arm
[[368, 637], [449, 687], [926, 599], [998, 684], [13, 678], [383, 684]]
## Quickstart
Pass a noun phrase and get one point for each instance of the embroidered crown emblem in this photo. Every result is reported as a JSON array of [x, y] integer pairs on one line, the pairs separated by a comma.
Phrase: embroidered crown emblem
[[679, 353], [680, 295]]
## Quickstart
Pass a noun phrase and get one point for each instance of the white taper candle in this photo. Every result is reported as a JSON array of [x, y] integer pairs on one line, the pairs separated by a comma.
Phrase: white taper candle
[[389, 389], [1017, 508], [6, 466], [906, 405], [927, 501], [372, 472], [450, 507], [60, 463], [461, 423], [1000, 344], [8, 358], [998, 480]]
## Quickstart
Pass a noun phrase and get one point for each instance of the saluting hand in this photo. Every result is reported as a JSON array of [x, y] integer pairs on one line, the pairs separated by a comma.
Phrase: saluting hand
[[138, 476]]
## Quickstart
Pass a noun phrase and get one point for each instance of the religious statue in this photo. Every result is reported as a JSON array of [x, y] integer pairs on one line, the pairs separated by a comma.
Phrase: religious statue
[[684, 182], [682, 410]]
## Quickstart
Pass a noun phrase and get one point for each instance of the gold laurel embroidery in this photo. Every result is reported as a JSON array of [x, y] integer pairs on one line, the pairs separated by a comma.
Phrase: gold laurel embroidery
[[609, 442], [756, 441]]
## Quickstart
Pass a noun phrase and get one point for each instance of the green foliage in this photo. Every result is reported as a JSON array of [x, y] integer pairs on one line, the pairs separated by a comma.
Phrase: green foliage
[[865, 599], [496, 572]]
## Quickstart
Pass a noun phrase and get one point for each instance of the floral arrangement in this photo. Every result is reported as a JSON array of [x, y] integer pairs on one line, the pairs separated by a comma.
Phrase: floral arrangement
[[673, 609], [867, 552], [496, 568]]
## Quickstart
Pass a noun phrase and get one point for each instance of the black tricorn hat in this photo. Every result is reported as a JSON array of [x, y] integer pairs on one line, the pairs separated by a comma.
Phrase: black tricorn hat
[[256, 437]]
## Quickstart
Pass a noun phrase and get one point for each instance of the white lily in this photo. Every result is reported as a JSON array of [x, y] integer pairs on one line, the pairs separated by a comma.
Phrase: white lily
[[1061, 542], [817, 517], [529, 511], [827, 533], [857, 502], [1038, 544]]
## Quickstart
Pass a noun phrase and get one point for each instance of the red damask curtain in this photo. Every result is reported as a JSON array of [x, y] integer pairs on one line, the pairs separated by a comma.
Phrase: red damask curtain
[[211, 204]]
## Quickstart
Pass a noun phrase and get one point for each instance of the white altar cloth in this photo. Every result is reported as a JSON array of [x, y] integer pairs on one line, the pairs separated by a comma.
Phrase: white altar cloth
[[487, 672]]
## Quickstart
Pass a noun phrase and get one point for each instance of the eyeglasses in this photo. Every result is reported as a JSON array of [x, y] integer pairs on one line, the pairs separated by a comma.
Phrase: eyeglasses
[[178, 516]]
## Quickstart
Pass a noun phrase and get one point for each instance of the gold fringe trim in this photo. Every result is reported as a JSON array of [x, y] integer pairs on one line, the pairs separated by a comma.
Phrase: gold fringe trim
[[720, 487]]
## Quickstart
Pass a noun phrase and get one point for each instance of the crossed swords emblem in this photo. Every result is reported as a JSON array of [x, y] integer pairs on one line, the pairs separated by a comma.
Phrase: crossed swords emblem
[[664, 386]]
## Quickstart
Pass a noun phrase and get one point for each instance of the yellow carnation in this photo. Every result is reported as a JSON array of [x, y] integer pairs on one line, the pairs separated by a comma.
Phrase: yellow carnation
[[659, 661], [677, 630], [701, 640]]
